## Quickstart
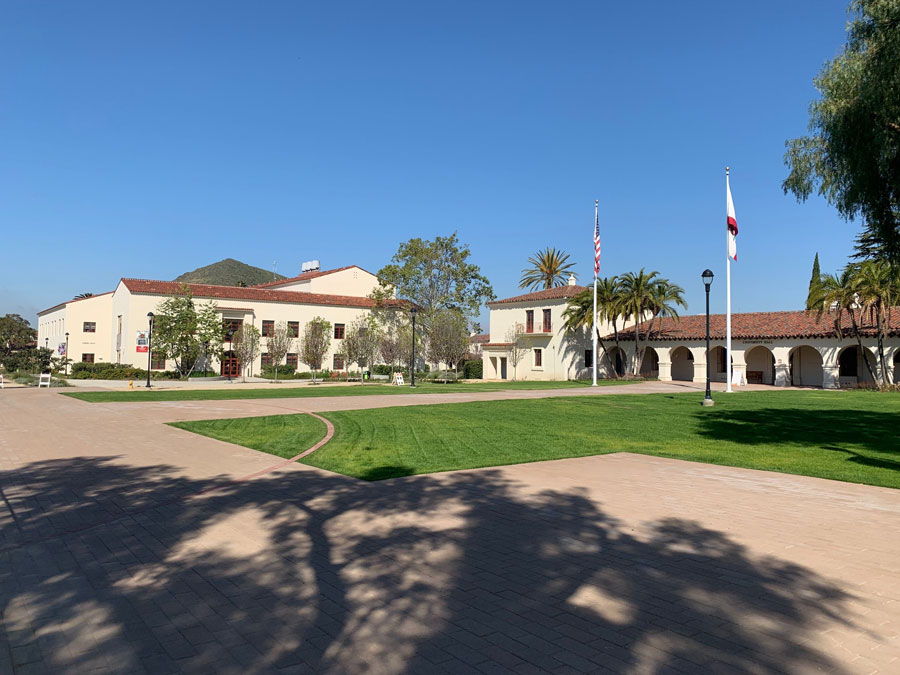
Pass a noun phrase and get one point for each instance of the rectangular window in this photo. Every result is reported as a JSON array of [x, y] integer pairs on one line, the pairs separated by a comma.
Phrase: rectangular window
[[546, 320], [337, 363], [90, 327], [529, 320], [339, 332], [538, 358], [266, 359], [231, 326], [292, 361], [588, 358], [87, 358], [293, 329], [268, 328], [157, 361]]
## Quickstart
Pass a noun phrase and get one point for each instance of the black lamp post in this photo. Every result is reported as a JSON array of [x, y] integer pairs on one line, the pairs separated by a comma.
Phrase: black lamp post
[[412, 365], [67, 353], [149, 346], [46, 343], [707, 277]]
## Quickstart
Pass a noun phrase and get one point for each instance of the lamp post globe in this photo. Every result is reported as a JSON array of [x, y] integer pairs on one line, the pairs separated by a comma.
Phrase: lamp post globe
[[412, 364], [707, 277], [149, 345]]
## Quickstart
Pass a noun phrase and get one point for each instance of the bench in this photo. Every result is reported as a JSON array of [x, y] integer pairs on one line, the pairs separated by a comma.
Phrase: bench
[[754, 377]]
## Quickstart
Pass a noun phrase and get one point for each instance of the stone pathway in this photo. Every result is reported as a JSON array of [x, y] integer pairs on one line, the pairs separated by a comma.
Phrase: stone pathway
[[126, 546]]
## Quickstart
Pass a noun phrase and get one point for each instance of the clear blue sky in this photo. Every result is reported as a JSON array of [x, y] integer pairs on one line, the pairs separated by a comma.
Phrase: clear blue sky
[[147, 139]]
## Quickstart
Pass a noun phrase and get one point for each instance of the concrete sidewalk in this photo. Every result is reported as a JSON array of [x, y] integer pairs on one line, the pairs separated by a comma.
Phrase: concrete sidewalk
[[126, 547]]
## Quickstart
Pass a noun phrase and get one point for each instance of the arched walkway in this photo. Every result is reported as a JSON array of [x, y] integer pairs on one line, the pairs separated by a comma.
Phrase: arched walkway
[[717, 364], [852, 371], [806, 367], [682, 364], [618, 360], [760, 365], [650, 363]]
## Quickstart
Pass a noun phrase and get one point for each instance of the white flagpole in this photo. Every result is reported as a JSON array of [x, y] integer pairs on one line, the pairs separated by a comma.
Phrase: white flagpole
[[728, 295], [594, 254]]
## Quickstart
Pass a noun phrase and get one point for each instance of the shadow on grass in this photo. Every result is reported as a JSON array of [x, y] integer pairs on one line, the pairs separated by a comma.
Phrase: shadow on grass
[[106, 565], [830, 429], [384, 472]]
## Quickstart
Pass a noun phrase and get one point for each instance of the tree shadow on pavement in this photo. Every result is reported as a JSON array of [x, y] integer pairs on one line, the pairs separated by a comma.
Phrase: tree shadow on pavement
[[114, 568]]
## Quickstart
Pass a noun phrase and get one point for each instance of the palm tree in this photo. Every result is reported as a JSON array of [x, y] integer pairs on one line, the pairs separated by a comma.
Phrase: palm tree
[[878, 288], [548, 269], [838, 294], [580, 307], [638, 294], [666, 297]]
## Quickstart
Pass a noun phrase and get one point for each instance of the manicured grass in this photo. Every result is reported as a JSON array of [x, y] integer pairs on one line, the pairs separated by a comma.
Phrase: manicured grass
[[134, 396], [283, 435], [850, 436]]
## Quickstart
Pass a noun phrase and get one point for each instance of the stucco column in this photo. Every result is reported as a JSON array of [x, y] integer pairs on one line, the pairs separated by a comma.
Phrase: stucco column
[[782, 366], [699, 371], [665, 364]]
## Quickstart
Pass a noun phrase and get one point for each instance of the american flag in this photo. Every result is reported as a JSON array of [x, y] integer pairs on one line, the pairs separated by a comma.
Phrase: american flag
[[596, 240]]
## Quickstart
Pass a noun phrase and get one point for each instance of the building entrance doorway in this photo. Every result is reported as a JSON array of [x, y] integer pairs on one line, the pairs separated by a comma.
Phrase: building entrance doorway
[[502, 367], [231, 367]]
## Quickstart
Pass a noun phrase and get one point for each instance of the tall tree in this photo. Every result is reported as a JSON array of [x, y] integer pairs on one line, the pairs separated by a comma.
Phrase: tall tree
[[278, 344], [547, 268], [837, 295], [183, 333], [878, 289], [362, 340], [15, 332], [816, 277], [315, 343], [436, 275], [638, 292], [851, 156], [449, 339], [516, 349], [245, 343], [579, 310]]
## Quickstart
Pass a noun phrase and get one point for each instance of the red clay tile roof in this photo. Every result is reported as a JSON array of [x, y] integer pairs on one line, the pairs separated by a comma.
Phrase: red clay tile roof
[[479, 339], [497, 344], [249, 293], [305, 276], [556, 293], [797, 324]]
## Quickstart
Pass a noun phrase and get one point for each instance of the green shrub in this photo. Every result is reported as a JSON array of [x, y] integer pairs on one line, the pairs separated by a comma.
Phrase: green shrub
[[106, 371], [473, 370], [439, 376]]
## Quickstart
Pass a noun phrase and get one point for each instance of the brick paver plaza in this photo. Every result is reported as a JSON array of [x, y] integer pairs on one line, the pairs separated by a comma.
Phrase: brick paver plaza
[[126, 546]]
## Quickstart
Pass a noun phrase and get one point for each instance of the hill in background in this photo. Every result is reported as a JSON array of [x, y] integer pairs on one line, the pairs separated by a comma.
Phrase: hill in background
[[229, 272]]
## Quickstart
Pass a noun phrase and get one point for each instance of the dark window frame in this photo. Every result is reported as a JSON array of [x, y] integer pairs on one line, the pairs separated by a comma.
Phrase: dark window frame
[[529, 320], [293, 328], [92, 329], [339, 331], [157, 361], [268, 327], [538, 357], [337, 362], [547, 323], [85, 359], [292, 359]]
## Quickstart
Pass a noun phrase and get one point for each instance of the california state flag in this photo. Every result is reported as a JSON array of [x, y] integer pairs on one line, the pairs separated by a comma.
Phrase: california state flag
[[731, 220]]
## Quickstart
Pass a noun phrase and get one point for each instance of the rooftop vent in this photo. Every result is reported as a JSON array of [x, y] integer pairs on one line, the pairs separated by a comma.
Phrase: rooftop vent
[[309, 266]]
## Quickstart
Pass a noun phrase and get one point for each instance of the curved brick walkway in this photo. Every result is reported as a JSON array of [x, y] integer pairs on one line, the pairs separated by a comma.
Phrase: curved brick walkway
[[619, 563]]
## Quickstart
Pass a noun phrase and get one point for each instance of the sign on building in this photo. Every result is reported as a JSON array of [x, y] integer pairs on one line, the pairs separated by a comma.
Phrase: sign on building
[[143, 341], [61, 350]]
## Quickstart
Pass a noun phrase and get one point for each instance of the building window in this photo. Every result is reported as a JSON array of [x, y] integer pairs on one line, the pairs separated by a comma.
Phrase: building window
[[87, 358], [231, 326], [268, 328], [293, 329], [90, 327], [547, 321], [292, 361], [538, 358], [157, 361], [588, 358], [337, 363], [266, 359], [529, 320], [339, 332]]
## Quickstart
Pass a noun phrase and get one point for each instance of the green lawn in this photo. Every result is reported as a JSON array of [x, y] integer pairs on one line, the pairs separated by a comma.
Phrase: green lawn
[[317, 390], [850, 436]]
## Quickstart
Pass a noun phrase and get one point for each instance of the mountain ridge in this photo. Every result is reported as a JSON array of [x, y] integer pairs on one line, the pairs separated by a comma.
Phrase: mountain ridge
[[228, 272]]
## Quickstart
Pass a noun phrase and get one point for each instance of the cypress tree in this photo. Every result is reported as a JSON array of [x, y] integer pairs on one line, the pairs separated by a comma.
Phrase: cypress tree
[[816, 279]]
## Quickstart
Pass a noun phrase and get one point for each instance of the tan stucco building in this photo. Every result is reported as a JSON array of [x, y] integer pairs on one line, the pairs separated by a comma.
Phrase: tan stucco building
[[106, 327]]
